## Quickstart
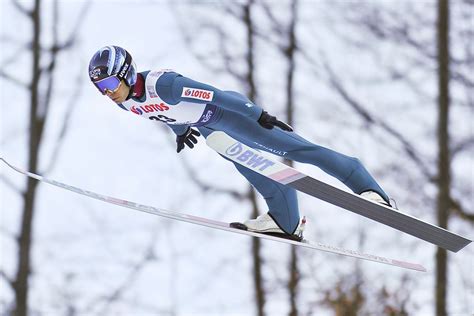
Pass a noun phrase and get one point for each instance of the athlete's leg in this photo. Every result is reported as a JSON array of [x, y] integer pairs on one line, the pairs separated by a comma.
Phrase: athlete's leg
[[290, 145], [281, 200]]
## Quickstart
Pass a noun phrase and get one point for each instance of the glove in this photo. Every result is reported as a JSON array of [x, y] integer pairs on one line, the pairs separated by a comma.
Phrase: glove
[[187, 138], [268, 121]]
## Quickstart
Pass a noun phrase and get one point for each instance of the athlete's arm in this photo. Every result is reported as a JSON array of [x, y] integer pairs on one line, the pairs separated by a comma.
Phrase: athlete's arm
[[174, 88], [179, 129]]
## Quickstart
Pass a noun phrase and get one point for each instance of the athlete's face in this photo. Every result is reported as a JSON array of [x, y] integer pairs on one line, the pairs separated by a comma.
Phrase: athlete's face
[[120, 94]]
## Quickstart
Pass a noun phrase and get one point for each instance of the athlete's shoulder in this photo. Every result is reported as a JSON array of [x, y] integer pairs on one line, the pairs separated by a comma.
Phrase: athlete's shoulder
[[163, 77]]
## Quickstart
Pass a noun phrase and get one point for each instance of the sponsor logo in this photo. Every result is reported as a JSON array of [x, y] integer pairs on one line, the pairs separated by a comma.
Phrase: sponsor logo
[[198, 94], [206, 117], [124, 70], [274, 151], [248, 157], [151, 91], [150, 108], [95, 73]]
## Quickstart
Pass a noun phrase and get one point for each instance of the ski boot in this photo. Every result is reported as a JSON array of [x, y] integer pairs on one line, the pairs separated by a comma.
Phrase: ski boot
[[265, 224], [377, 198]]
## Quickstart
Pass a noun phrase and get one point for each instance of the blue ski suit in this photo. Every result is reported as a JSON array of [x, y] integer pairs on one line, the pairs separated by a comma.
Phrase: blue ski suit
[[182, 103]]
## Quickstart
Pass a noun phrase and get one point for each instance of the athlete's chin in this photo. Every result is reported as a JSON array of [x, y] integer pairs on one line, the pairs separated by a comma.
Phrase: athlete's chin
[[118, 100]]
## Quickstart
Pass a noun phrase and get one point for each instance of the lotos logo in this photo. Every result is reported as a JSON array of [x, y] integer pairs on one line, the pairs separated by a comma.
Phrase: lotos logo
[[149, 108], [198, 94], [136, 110], [250, 158]]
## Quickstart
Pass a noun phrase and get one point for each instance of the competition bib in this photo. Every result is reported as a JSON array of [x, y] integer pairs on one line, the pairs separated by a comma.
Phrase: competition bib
[[154, 108]]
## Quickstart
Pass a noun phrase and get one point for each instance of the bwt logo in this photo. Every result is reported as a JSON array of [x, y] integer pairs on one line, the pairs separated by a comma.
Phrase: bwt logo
[[248, 157]]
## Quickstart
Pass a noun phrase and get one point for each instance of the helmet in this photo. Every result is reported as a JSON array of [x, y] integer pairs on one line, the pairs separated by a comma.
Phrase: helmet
[[112, 61]]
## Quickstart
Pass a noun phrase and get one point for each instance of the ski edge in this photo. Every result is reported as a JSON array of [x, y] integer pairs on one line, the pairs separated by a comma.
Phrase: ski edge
[[220, 225]]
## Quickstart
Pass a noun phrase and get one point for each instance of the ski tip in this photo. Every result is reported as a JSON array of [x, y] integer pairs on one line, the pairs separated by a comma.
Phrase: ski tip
[[409, 265]]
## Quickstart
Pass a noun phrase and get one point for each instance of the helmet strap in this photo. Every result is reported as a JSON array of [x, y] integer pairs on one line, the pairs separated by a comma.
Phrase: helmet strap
[[125, 67]]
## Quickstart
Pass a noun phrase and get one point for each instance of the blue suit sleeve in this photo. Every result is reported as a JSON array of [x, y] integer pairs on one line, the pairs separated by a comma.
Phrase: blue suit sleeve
[[228, 100]]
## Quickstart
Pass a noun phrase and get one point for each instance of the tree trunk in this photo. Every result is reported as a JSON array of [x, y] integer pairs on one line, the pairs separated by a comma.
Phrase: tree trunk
[[20, 284], [290, 56], [444, 176], [252, 93]]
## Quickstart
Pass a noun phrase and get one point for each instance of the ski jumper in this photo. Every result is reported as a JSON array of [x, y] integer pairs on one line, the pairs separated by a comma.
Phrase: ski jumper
[[182, 103]]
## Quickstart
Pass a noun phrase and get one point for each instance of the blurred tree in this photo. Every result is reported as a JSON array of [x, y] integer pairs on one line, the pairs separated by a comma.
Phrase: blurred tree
[[242, 12], [354, 295], [40, 90], [424, 34], [444, 160], [285, 40], [345, 302]]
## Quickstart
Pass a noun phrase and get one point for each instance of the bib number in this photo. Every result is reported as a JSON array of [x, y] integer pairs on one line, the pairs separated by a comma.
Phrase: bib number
[[162, 118]]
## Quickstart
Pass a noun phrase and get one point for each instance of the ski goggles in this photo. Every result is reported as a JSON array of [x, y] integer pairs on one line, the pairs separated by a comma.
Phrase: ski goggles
[[109, 84]]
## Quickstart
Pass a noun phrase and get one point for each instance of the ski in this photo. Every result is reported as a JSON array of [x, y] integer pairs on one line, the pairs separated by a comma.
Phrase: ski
[[266, 165], [220, 225]]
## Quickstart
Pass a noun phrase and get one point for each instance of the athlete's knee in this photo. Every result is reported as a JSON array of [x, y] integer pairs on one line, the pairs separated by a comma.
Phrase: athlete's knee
[[274, 189], [354, 163]]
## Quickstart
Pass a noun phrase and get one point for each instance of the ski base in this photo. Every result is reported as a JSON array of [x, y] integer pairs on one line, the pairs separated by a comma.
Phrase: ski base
[[220, 225]]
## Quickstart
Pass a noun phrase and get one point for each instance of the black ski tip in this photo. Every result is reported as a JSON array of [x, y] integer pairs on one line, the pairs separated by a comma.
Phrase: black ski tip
[[238, 225]]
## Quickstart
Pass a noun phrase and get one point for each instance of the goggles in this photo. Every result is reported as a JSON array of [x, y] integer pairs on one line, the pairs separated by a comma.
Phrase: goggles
[[109, 84]]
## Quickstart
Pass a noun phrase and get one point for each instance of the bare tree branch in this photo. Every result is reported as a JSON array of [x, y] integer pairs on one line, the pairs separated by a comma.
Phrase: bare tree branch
[[234, 9], [460, 211], [49, 71], [10, 184], [462, 146], [208, 188], [65, 124], [17, 53], [55, 50], [148, 256], [371, 120], [21, 8], [277, 27], [461, 78], [13, 80], [6, 278], [229, 61]]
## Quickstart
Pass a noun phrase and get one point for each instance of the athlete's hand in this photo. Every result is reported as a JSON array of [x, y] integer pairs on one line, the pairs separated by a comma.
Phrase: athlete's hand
[[188, 138], [269, 121]]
